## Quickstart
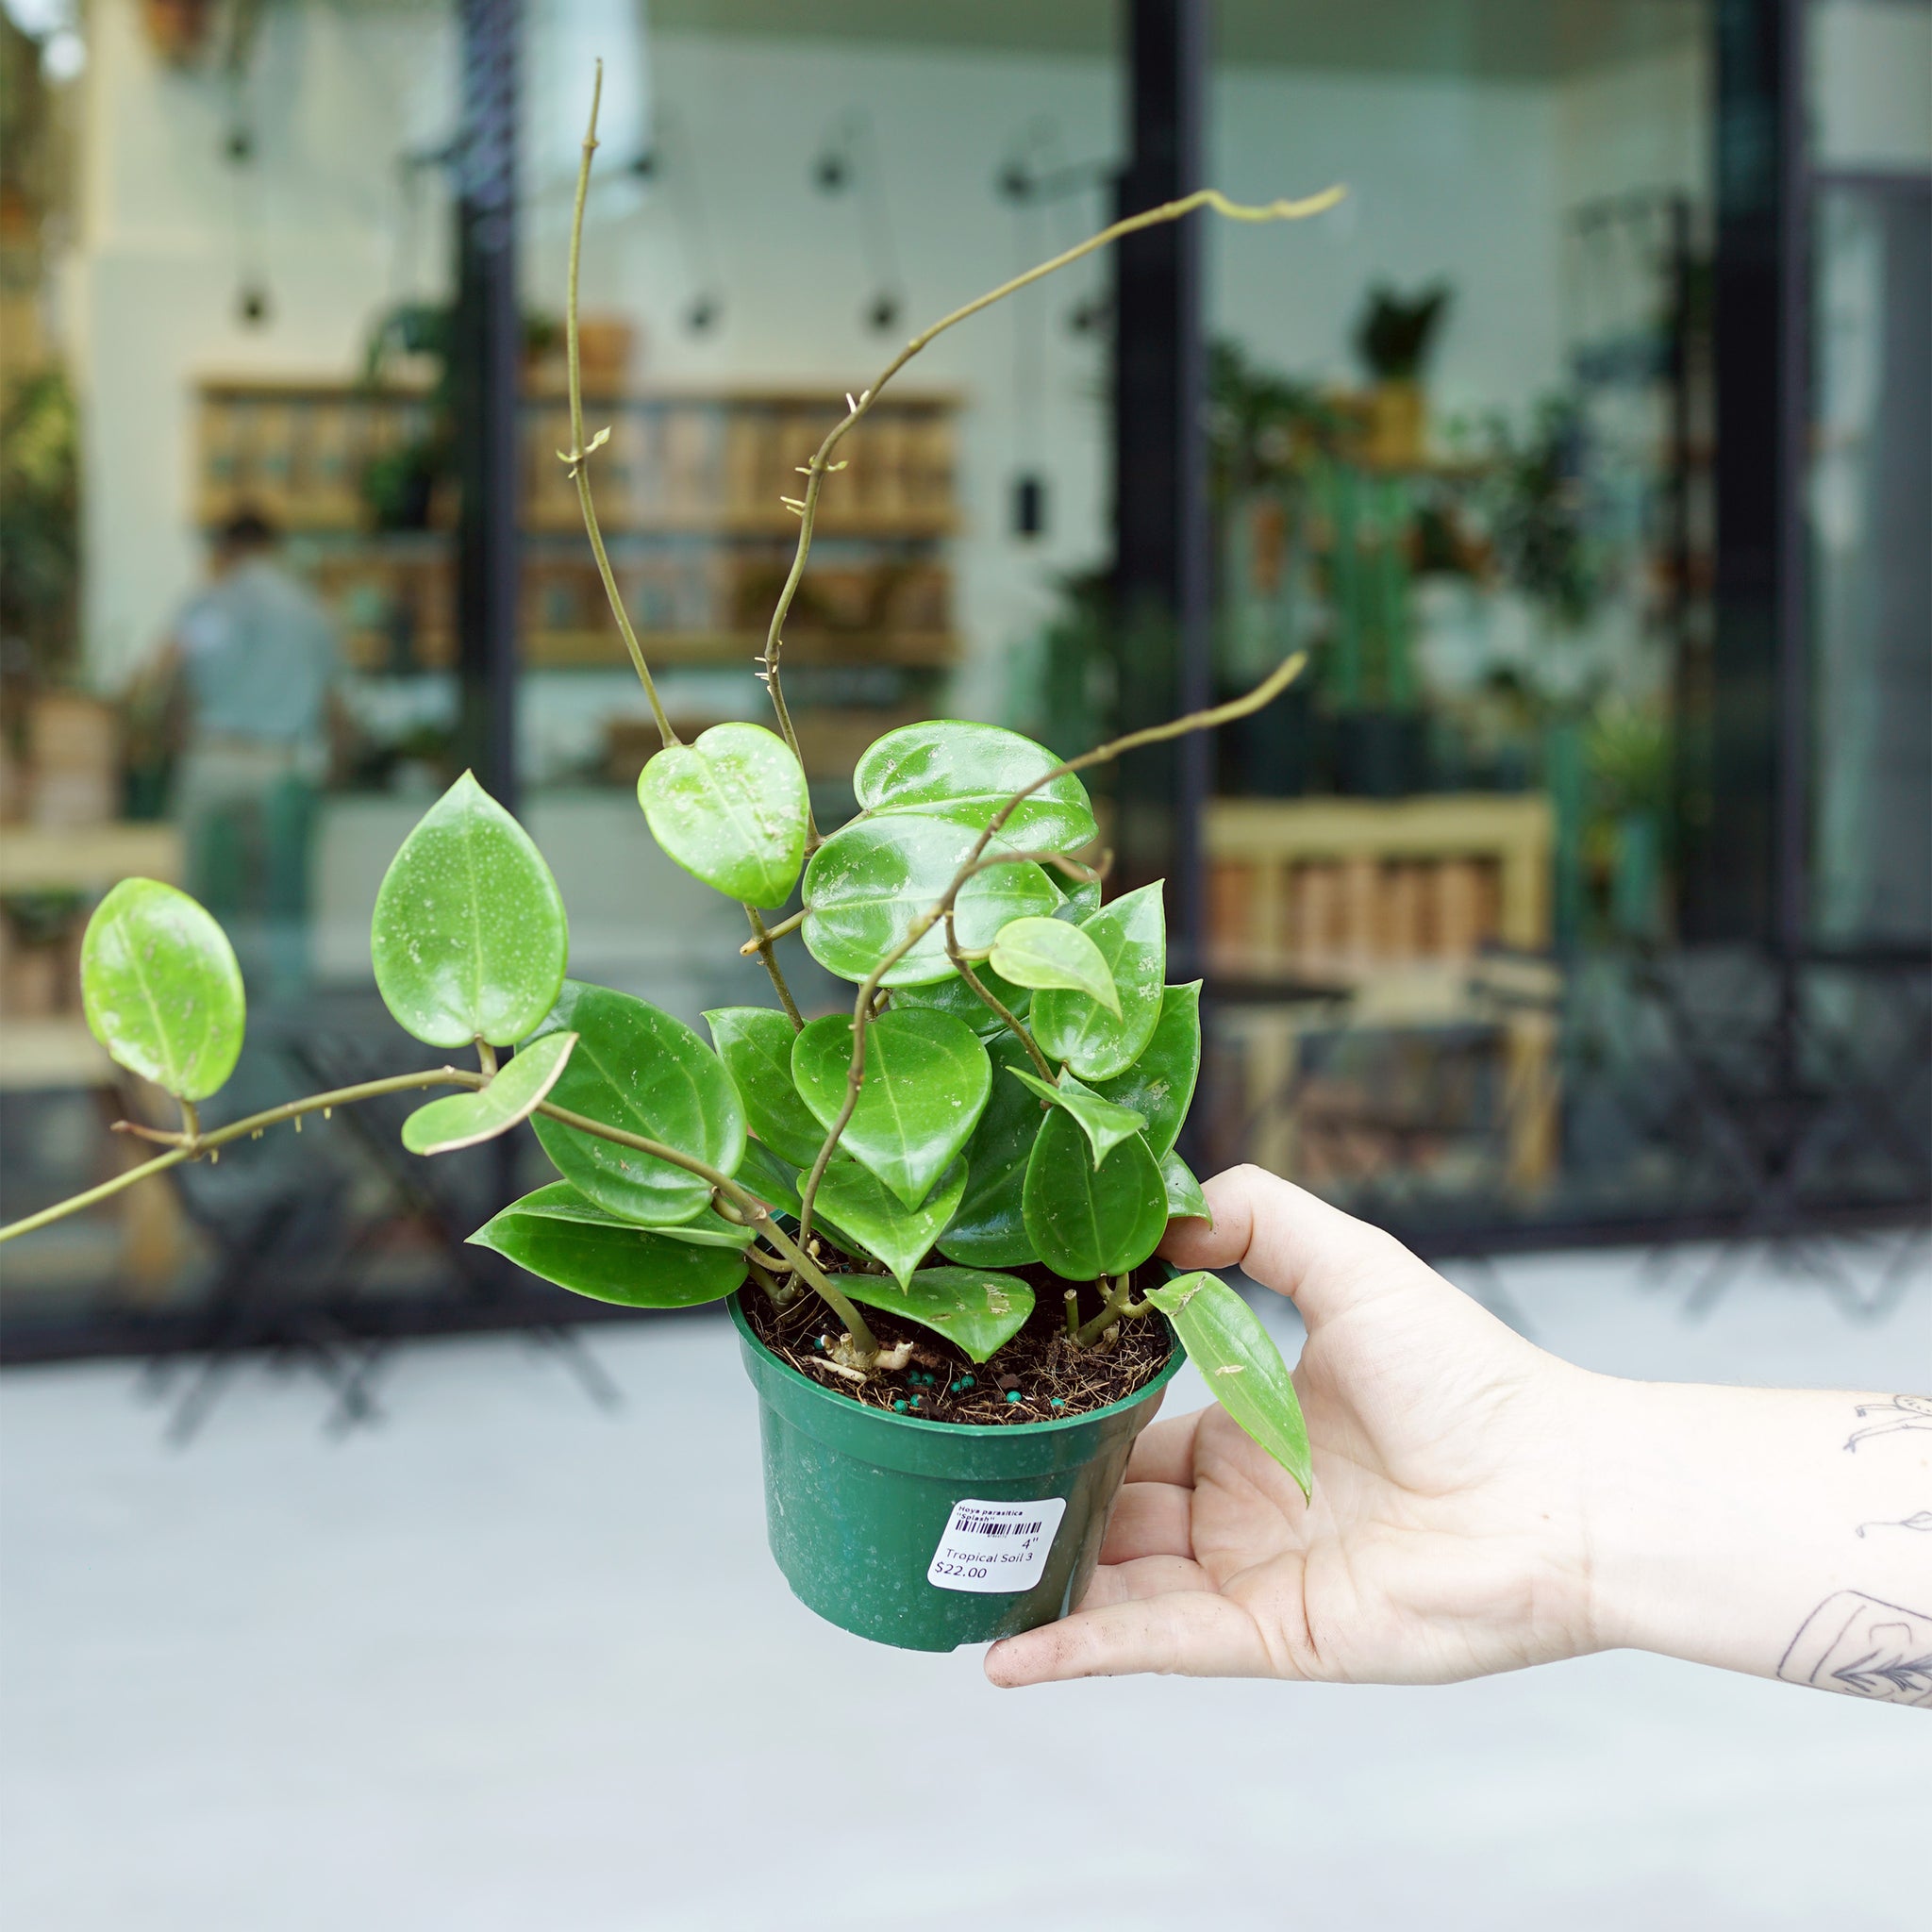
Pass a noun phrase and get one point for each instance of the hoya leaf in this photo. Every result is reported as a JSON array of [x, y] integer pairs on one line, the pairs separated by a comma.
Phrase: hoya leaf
[[1104, 1124], [469, 938], [1082, 899], [1185, 1198], [1086, 1220], [755, 1043], [990, 1229], [1240, 1365], [975, 1310], [1131, 934], [871, 881], [926, 1081], [638, 1069], [1042, 952], [774, 1181], [613, 1262], [953, 995], [731, 809], [461, 1119], [968, 773], [861, 1204], [160, 988], [1160, 1083], [559, 1201]]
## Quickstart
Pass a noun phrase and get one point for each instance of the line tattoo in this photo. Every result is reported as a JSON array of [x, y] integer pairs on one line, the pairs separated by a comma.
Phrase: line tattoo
[[1908, 1412], [1922, 1519], [1861, 1647]]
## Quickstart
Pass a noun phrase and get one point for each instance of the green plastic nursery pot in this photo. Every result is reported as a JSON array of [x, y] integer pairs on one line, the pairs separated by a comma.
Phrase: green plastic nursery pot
[[917, 1533]]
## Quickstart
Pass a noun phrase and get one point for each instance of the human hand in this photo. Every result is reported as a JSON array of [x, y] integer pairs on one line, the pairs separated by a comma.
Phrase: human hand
[[1444, 1538]]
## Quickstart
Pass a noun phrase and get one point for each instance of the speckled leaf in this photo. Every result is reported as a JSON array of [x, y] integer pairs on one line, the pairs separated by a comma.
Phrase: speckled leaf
[[731, 809], [1104, 1124], [927, 1080], [1185, 1198], [871, 882], [1240, 1365], [640, 1070], [160, 988], [755, 1043], [968, 771], [613, 1262], [861, 1205], [972, 1307], [1086, 1220], [1131, 934], [953, 995], [559, 1201], [1044, 953], [1160, 1083], [1083, 899], [990, 1229], [469, 938], [461, 1119]]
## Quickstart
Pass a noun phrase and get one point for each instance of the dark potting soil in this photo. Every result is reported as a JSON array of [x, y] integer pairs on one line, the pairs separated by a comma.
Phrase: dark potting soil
[[1039, 1376]]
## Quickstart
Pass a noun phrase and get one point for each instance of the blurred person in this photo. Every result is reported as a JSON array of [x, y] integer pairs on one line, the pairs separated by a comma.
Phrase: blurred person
[[251, 669], [1480, 1504]]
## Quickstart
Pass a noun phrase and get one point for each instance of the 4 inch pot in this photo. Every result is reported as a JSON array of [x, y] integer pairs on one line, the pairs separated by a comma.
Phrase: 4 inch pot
[[870, 1512]]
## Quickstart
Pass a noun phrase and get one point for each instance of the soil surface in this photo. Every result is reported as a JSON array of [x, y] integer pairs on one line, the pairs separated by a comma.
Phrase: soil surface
[[1039, 1376]]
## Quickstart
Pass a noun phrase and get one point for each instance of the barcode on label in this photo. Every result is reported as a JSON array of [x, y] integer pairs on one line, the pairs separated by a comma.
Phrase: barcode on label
[[979, 1526], [995, 1546]]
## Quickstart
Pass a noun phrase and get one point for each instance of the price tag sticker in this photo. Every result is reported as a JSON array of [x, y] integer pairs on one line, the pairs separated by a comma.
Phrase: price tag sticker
[[995, 1547]]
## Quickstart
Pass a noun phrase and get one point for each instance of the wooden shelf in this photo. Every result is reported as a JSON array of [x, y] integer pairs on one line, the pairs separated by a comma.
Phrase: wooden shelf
[[603, 650], [40, 1053], [42, 859]]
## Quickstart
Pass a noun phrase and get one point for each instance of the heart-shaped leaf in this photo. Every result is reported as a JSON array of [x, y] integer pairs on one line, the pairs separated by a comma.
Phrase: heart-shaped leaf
[[1083, 900], [160, 988], [755, 1043], [871, 881], [975, 1310], [1131, 934], [469, 938], [968, 771], [1104, 1124], [953, 995], [1086, 1220], [1160, 1083], [559, 1201], [1240, 1365], [1042, 952], [926, 1081], [612, 1261], [731, 809], [461, 1119], [638, 1069], [990, 1229], [860, 1205], [1185, 1198]]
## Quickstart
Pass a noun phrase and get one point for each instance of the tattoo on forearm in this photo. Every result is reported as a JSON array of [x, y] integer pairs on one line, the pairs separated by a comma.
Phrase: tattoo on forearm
[[1858, 1645], [1922, 1519], [1907, 1412]]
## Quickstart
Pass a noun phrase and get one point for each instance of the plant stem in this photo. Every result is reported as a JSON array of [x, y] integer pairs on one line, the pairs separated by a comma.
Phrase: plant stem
[[1118, 1302], [996, 1005], [761, 944], [775, 932], [579, 458], [486, 1058]]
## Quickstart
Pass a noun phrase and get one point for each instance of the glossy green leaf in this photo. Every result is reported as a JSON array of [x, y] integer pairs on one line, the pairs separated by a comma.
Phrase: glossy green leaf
[[559, 1201], [1104, 1124], [160, 988], [640, 1070], [755, 1043], [975, 1310], [731, 809], [1160, 1083], [871, 882], [953, 995], [860, 1205], [613, 1262], [968, 773], [1185, 1198], [461, 1119], [990, 1229], [1086, 1220], [1044, 953], [469, 938], [1083, 899], [1240, 1365], [926, 1081], [774, 1181], [1131, 934]]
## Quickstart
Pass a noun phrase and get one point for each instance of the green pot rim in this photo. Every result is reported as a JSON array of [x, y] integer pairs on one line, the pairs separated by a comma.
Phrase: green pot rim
[[1176, 1355]]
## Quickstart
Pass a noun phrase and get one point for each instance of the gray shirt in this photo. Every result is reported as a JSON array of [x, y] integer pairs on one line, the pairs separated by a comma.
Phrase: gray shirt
[[259, 655]]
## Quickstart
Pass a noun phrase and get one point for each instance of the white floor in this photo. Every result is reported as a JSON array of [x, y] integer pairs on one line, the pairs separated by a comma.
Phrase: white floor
[[511, 1663]]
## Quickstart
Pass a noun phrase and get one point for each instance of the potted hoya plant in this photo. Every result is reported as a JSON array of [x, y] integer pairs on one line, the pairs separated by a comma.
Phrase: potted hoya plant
[[934, 1216]]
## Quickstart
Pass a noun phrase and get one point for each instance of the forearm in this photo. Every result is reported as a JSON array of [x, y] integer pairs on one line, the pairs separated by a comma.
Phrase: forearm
[[1787, 1533]]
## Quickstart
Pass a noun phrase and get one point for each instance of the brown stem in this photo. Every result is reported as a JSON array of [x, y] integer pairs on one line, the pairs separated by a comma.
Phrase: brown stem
[[761, 944]]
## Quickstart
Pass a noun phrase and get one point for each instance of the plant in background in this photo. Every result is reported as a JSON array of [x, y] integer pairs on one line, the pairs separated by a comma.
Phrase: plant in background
[[970, 1168], [1394, 336]]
